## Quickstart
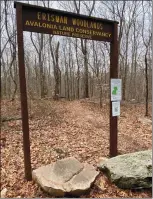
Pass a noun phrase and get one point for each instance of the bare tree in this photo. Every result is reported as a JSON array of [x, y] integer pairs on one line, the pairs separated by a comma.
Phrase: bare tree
[[57, 72], [84, 46], [39, 50], [78, 69], [12, 43], [147, 43]]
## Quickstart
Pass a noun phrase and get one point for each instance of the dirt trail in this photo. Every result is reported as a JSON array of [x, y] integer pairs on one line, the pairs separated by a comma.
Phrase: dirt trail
[[84, 116], [84, 132]]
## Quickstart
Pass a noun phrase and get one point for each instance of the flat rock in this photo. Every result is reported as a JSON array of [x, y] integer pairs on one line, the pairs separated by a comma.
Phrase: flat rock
[[130, 171], [66, 176]]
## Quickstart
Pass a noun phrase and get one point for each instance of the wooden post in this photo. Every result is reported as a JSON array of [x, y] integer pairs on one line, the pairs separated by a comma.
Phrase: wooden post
[[24, 108], [113, 74]]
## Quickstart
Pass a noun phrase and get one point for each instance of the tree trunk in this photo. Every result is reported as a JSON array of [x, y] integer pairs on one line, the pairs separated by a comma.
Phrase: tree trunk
[[146, 77], [78, 71], [57, 73], [86, 89]]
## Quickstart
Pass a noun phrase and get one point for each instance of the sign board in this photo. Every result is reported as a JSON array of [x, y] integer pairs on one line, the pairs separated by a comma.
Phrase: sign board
[[116, 90], [115, 108], [56, 22], [39, 19]]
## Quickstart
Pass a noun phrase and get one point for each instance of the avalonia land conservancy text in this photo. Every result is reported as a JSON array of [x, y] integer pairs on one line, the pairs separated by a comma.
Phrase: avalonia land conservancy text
[[68, 30]]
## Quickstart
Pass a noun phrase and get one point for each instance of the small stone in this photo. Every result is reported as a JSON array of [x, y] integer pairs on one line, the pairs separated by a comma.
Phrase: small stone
[[3, 193]]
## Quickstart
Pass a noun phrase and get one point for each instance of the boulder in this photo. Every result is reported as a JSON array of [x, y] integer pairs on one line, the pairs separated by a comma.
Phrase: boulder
[[130, 171], [65, 177]]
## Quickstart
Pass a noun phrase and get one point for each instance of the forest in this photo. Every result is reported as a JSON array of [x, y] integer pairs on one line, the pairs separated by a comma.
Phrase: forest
[[68, 91]]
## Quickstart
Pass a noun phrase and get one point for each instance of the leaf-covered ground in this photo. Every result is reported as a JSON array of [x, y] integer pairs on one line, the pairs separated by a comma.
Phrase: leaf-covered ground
[[62, 129]]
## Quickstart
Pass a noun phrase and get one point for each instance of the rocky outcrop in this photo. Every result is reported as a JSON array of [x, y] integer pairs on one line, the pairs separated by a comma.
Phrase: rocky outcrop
[[132, 170]]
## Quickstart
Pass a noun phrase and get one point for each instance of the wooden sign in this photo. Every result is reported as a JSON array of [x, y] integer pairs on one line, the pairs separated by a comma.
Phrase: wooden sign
[[50, 21]]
